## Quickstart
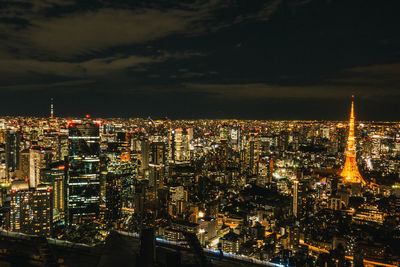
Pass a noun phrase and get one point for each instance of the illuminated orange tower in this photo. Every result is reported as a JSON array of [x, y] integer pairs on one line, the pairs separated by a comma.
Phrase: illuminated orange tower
[[350, 171]]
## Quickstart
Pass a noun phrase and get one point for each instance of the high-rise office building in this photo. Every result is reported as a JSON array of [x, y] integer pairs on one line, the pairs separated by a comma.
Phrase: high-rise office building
[[113, 195], [252, 153], [181, 145], [54, 175], [41, 208], [62, 144], [31, 209], [295, 197], [171, 145], [235, 138], [19, 206], [119, 192], [12, 150], [144, 157], [32, 160], [178, 200], [157, 162], [376, 144], [83, 172], [29, 164]]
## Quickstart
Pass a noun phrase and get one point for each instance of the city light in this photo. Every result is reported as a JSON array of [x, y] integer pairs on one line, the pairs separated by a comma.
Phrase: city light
[[200, 133], [248, 190]]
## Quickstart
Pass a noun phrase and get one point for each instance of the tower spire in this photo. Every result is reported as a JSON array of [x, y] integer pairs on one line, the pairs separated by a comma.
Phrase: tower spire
[[51, 109], [350, 171]]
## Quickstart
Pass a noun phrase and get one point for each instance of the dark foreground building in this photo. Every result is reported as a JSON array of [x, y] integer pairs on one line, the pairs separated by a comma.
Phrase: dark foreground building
[[120, 249]]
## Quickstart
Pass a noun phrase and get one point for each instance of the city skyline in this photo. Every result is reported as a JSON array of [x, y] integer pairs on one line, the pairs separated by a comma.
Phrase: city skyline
[[51, 114], [313, 192], [199, 133]]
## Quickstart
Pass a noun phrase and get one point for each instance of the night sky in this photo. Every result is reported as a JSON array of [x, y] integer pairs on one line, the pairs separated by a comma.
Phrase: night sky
[[277, 59]]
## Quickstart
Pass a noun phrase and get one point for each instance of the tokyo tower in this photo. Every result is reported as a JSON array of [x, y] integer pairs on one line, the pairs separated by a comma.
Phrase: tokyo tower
[[350, 171]]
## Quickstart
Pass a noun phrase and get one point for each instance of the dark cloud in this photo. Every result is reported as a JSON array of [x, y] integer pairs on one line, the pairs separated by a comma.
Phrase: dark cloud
[[200, 58]]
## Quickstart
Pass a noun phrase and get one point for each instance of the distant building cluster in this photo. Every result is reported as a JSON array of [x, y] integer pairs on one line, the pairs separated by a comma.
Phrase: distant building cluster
[[287, 192]]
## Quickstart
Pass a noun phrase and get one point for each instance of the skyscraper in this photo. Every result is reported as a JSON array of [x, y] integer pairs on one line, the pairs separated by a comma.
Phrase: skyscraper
[[252, 153], [83, 172], [144, 159], [31, 209], [350, 171], [32, 160], [113, 193], [295, 197], [12, 150], [157, 162], [54, 175]]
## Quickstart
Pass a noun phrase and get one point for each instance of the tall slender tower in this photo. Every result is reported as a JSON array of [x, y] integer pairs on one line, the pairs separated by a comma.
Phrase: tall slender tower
[[295, 197], [350, 171], [51, 109]]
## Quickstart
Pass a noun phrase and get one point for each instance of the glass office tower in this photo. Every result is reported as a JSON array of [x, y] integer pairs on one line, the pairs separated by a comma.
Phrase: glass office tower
[[83, 172]]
